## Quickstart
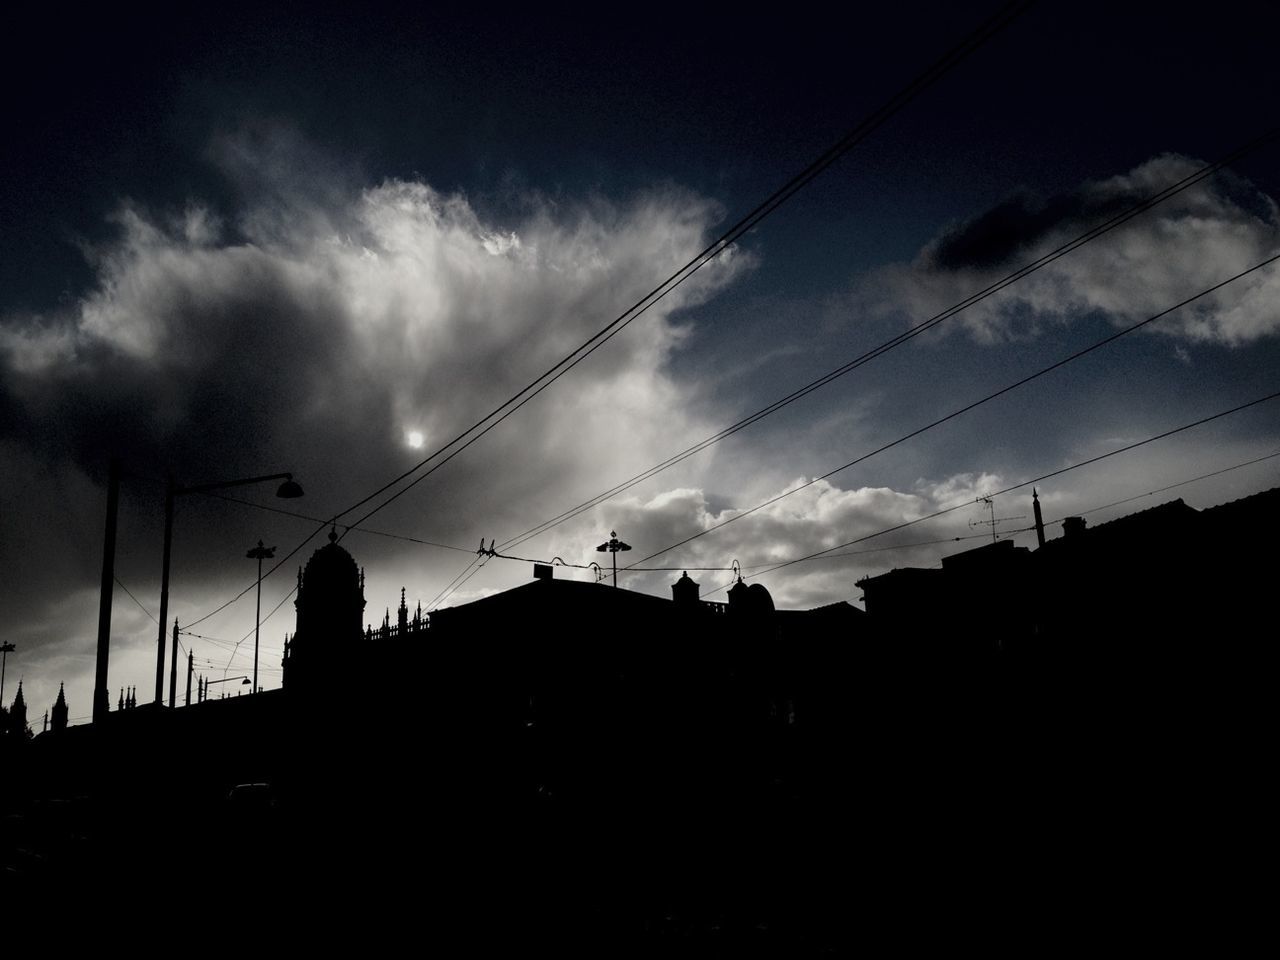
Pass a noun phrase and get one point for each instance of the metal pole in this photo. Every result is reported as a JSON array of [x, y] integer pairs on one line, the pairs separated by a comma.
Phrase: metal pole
[[190, 666], [5, 650], [173, 666], [257, 620], [101, 703], [164, 587], [259, 553]]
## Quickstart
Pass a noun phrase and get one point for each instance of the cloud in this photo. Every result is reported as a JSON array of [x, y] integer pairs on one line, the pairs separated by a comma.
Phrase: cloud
[[316, 330], [1186, 244], [332, 333], [820, 517]]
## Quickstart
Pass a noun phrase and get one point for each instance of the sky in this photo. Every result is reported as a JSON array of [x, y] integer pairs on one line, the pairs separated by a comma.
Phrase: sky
[[239, 241]]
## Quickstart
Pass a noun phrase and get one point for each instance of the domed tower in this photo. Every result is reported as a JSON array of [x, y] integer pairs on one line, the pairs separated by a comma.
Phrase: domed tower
[[330, 605], [685, 591]]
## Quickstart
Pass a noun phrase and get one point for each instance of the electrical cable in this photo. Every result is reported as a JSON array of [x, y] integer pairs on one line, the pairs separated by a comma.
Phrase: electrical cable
[[986, 31], [1018, 486], [907, 335], [325, 523], [1181, 483], [121, 585], [965, 409]]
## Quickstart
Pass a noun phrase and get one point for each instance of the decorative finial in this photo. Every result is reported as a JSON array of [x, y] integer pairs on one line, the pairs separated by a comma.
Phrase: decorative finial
[[333, 534]]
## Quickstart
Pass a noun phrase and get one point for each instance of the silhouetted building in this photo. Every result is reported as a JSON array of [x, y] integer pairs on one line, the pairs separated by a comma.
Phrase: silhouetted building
[[60, 711], [18, 715], [330, 618]]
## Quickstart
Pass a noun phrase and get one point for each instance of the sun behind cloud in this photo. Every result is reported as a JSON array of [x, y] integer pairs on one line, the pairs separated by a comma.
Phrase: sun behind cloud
[[415, 439]]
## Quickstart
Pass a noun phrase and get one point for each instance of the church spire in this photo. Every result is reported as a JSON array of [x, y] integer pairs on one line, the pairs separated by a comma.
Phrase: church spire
[[60, 711], [18, 714]]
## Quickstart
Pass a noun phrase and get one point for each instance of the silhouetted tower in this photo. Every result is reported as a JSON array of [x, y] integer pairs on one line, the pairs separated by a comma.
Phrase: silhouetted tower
[[402, 617], [120, 702], [684, 591], [18, 714], [60, 711], [1035, 508], [330, 605]]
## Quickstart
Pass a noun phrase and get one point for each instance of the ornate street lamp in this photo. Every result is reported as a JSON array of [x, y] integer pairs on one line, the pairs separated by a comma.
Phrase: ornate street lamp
[[613, 545]]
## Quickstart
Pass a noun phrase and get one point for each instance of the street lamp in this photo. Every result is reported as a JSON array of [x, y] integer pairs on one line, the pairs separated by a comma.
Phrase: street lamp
[[613, 545], [207, 683], [287, 490], [258, 553]]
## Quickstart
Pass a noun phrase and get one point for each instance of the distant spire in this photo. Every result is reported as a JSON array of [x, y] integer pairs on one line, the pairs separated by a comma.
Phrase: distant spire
[[18, 714], [120, 704], [1035, 508], [60, 711]]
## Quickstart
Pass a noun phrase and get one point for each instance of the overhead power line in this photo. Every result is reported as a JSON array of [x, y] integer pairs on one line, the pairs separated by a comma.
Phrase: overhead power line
[[1174, 486], [988, 29], [121, 585], [1019, 486], [326, 523], [970, 406], [1089, 235]]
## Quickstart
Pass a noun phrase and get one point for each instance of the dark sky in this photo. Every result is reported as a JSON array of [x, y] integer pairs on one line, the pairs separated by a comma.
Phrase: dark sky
[[237, 241]]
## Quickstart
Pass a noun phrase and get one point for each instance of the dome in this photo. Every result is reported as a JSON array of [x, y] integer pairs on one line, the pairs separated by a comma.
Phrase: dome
[[330, 605], [759, 598], [331, 568]]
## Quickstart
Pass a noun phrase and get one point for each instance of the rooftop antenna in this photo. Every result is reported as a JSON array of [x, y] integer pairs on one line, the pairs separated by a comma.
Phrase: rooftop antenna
[[994, 519]]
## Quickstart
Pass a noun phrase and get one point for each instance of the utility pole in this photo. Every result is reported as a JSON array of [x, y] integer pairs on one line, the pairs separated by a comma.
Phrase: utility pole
[[190, 665], [5, 650], [101, 703], [170, 491], [613, 545], [261, 553], [173, 666]]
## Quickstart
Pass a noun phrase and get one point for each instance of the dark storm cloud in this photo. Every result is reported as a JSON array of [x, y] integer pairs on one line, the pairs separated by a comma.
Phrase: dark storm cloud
[[1188, 243], [1018, 224], [320, 327]]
